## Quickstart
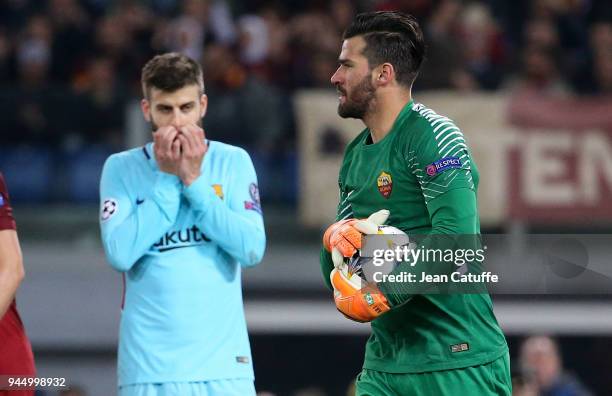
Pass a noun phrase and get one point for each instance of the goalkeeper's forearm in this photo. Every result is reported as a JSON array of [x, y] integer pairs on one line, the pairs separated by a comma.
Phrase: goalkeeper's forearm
[[454, 213]]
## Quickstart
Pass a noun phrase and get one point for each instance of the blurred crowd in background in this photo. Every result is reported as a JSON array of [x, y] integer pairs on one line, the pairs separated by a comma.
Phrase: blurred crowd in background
[[68, 67]]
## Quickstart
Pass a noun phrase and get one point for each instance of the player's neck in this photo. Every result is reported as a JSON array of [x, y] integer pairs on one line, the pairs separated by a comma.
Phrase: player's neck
[[382, 117]]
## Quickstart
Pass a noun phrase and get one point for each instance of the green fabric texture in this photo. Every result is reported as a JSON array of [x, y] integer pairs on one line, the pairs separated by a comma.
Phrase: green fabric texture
[[422, 331], [489, 379]]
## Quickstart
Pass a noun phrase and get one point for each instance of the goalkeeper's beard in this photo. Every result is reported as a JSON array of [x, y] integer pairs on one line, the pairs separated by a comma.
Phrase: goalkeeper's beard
[[360, 100]]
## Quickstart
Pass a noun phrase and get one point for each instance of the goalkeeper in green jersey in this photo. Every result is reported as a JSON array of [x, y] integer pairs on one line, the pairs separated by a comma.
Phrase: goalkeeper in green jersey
[[416, 164]]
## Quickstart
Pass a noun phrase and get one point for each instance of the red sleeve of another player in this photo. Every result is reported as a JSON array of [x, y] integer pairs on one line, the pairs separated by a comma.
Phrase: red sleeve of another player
[[7, 222]]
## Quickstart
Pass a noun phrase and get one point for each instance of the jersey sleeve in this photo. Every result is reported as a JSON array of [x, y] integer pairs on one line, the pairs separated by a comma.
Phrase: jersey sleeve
[[440, 160], [442, 163], [237, 225], [7, 222], [128, 228], [454, 213]]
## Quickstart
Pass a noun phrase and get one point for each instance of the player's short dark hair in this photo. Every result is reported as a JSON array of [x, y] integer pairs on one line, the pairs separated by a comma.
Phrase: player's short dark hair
[[170, 72], [392, 37]]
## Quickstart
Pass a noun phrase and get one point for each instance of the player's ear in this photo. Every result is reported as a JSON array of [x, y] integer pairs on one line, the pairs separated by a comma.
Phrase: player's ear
[[145, 106], [384, 74], [203, 105]]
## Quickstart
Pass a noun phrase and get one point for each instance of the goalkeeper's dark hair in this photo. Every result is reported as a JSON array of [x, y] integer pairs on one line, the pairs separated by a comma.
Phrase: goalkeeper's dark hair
[[391, 37], [170, 72]]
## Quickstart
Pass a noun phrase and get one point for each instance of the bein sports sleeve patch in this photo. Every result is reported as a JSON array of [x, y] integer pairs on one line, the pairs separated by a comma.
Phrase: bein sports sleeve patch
[[109, 208], [442, 165]]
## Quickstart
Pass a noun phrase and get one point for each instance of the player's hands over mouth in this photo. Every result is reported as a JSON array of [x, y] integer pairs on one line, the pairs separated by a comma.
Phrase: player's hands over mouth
[[167, 149], [193, 150]]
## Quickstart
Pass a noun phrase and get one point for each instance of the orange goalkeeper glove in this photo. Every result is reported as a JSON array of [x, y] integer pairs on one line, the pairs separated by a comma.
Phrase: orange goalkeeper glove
[[354, 298], [356, 301], [343, 238]]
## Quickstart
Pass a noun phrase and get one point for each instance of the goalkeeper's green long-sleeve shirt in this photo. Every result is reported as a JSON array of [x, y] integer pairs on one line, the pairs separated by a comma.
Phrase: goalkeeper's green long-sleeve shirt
[[422, 171]]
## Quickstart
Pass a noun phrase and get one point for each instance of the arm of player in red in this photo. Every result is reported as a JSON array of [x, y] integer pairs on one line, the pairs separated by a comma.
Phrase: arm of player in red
[[11, 260], [355, 299]]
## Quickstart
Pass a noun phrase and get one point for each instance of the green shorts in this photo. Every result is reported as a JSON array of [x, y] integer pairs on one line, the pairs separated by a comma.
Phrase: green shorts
[[490, 379]]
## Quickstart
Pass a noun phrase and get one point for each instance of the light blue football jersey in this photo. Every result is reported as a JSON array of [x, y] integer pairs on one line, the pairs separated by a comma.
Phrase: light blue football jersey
[[181, 250]]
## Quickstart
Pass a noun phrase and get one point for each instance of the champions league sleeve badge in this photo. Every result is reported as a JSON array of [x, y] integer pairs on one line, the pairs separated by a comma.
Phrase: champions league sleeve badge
[[109, 209]]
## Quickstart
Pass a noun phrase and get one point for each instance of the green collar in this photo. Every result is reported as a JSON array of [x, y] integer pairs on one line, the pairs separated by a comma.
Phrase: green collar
[[401, 117]]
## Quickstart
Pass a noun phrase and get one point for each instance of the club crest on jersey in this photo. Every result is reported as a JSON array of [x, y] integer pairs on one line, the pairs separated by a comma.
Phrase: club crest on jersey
[[218, 190], [443, 164], [384, 184], [109, 208]]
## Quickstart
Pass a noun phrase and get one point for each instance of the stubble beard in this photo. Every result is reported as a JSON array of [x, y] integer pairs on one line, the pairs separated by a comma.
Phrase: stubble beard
[[360, 102]]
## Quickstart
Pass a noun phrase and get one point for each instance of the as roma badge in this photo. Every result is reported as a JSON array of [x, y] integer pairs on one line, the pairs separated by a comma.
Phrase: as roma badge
[[385, 184]]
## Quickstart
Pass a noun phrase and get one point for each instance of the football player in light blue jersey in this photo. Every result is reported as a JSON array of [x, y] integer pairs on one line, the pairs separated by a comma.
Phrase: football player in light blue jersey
[[180, 217]]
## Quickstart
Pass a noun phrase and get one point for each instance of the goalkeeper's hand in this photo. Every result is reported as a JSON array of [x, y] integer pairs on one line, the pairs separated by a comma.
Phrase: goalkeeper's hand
[[356, 299], [343, 238]]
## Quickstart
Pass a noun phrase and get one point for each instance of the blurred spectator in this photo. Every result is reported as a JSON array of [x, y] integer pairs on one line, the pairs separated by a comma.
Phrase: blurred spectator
[[540, 73], [419, 8], [484, 51], [254, 40], [541, 33], [322, 67], [27, 119], [595, 75], [602, 72], [232, 91], [71, 37], [342, 12], [15, 13], [187, 31], [444, 65], [278, 51], [221, 22], [523, 387], [312, 33], [34, 52], [116, 40], [6, 49], [199, 22], [540, 361], [140, 23], [350, 391], [601, 36], [101, 104]]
